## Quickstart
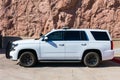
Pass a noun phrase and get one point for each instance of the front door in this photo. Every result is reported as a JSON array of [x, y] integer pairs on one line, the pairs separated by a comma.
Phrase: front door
[[53, 48]]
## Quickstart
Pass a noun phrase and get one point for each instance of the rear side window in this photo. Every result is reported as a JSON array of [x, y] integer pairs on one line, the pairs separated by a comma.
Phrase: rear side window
[[100, 35], [75, 35], [71, 35], [83, 36]]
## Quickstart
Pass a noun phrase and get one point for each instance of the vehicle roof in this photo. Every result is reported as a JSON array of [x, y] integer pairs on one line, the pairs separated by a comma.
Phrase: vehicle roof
[[78, 30]]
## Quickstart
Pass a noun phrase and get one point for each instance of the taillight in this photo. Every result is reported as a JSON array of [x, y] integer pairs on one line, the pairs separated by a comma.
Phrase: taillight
[[111, 45]]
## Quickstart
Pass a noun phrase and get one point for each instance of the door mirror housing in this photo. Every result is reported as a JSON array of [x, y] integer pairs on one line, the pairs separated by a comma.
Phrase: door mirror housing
[[45, 38], [41, 34]]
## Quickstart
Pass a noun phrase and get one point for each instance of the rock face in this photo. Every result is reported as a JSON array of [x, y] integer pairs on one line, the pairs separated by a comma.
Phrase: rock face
[[30, 17]]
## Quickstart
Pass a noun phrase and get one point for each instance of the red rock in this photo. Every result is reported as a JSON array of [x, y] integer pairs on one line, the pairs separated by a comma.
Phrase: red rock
[[30, 17]]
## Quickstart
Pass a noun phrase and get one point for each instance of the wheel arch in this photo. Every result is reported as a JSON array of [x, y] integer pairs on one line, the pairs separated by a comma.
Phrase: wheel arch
[[92, 50], [25, 50]]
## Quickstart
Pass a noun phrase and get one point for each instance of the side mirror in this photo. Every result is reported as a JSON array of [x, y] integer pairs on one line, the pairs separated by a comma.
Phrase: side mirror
[[41, 34], [45, 38]]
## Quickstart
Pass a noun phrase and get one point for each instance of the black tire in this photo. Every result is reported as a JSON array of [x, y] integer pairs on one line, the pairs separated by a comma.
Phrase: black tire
[[27, 59], [91, 59]]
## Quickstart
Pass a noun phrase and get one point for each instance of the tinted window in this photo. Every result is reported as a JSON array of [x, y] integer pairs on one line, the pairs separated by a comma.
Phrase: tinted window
[[56, 36], [100, 35], [83, 36], [71, 35]]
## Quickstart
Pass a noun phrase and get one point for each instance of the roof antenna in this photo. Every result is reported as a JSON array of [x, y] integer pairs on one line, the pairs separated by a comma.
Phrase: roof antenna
[[66, 27]]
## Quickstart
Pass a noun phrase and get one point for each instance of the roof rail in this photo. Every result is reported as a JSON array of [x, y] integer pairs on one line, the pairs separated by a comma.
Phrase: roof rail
[[66, 27]]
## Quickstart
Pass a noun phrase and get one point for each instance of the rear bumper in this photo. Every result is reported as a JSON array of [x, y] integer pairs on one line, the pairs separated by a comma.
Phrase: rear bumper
[[108, 55]]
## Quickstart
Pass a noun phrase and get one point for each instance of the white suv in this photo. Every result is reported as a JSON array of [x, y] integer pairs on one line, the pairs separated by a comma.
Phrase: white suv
[[87, 45]]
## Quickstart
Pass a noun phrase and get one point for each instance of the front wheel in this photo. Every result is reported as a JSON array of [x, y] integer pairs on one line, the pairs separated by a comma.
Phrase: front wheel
[[27, 59], [91, 59]]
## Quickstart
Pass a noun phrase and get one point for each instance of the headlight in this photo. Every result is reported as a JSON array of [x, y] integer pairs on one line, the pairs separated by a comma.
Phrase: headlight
[[13, 46]]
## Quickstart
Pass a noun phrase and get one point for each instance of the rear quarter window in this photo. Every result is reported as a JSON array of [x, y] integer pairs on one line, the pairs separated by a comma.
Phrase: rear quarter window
[[101, 36]]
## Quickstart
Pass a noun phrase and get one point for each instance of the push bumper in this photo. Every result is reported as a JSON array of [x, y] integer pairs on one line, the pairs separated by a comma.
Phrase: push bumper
[[7, 53]]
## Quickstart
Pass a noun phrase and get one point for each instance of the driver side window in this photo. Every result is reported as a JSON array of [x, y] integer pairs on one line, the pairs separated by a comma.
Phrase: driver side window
[[55, 36]]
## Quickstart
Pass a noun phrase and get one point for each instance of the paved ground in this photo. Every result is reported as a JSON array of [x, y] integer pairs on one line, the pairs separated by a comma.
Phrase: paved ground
[[9, 70]]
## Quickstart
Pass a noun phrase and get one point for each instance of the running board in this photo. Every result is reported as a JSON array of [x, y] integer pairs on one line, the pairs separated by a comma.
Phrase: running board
[[60, 61]]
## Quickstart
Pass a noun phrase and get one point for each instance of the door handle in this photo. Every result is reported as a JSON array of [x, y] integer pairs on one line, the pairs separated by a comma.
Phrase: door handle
[[61, 44], [84, 44]]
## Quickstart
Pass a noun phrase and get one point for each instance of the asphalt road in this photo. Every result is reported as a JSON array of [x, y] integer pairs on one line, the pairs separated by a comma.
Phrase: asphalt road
[[9, 70]]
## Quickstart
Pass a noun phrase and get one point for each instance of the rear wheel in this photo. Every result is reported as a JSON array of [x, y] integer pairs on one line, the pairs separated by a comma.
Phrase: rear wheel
[[91, 59], [27, 59]]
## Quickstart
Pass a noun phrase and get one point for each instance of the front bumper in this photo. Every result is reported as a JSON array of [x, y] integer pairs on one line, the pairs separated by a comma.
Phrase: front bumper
[[13, 55], [10, 54]]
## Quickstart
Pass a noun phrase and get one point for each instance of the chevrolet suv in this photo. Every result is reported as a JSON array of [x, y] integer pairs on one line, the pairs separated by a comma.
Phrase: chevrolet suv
[[90, 46]]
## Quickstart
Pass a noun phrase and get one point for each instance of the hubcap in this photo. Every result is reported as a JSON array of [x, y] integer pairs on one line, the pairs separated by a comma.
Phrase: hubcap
[[92, 59], [27, 59]]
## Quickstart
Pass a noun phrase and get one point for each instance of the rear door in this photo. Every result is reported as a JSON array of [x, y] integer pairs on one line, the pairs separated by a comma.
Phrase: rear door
[[75, 41]]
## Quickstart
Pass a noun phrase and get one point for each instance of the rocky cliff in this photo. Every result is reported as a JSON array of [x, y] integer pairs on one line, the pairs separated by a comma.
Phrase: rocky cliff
[[30, 17]]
